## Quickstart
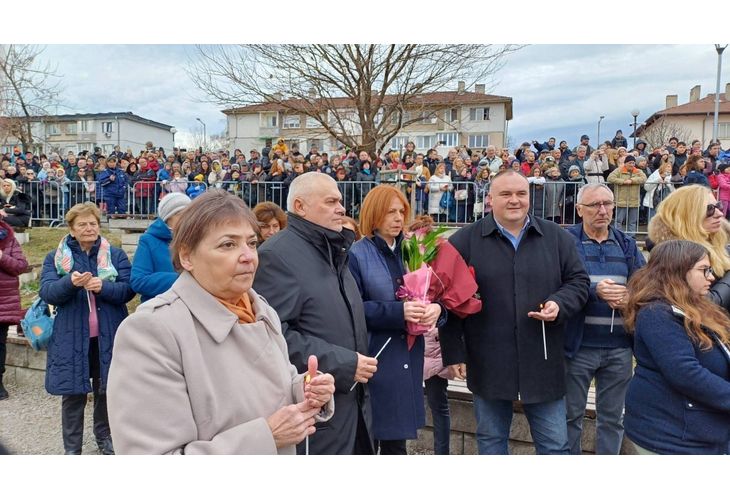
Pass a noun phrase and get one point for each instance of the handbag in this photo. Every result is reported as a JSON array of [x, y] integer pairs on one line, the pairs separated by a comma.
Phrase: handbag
[[38, 324], [461, 194], [447, 200], [658, 196], [478, 208]]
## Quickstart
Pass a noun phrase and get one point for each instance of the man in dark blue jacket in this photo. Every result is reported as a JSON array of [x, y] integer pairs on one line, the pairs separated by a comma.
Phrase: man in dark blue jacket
[[113, 187], [596, 343], [531, 280]]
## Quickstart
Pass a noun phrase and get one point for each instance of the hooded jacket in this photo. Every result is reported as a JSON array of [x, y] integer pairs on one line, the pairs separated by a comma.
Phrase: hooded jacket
[[12, 264], [152, 271]]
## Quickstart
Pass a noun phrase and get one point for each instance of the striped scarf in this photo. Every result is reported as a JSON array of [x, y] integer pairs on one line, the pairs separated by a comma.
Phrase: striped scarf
[[64, 260]]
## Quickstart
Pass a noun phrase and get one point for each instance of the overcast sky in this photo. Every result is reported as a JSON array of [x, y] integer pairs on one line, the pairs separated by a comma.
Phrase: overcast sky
[[557, 90]]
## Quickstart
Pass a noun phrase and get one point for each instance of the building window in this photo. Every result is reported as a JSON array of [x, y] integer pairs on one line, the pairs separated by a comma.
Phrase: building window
[[398, 143], [448, 139], [291, 121], [107, 148], [53, 129], [428, 117], [478, 114], [451, 115], [107, 127], [71, 128], [269, 121], [312, 123], [425, 141], [84, 146], [723, 130], [478, 141], [85, 125]]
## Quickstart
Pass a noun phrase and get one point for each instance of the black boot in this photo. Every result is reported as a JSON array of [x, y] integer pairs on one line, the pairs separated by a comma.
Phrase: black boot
[[3, 393], [105, 445]]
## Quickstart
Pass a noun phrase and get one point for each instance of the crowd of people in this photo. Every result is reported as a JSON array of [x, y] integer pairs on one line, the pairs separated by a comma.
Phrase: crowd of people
[[284, 327], [451, 188]]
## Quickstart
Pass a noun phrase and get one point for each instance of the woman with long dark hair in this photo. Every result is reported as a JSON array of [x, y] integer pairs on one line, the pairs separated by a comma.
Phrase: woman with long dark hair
[[679, 399]]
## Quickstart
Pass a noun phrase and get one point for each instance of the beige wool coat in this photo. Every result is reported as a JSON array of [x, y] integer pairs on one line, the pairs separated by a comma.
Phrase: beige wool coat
[[187, 378]]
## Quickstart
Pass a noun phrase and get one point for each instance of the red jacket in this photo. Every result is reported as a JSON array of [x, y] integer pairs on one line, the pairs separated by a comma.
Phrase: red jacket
[[12, 264]]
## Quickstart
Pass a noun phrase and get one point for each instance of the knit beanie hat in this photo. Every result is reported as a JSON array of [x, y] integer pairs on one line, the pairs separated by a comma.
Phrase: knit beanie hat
[[171, 204]]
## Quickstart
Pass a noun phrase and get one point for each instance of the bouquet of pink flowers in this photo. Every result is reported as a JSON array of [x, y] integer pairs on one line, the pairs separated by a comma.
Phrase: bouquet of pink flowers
[[436, 272]]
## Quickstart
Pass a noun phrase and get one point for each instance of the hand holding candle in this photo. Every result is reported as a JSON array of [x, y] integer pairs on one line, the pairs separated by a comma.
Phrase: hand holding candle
[[318, 388], [548, 312]]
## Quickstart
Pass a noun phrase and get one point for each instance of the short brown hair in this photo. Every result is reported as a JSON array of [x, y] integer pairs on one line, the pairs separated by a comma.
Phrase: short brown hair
[[82, 209], [350, 220], [376, 205], [266, 210], [211, 209]]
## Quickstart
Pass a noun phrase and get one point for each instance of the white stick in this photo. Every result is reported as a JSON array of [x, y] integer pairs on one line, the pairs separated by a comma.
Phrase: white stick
[[88, 299], [544, 342], [376, 357], [613, 315], [306, 445]]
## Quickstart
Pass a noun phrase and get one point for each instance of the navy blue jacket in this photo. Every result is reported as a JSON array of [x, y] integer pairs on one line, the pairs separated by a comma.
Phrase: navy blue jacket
[[679, 399], [396, 389], [152, 271], [67, 366], [502, 346], [634, 261], [112, 188]]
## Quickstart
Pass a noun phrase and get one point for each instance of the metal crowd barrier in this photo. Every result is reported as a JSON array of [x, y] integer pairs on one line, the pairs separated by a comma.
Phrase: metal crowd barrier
[[552, 200]]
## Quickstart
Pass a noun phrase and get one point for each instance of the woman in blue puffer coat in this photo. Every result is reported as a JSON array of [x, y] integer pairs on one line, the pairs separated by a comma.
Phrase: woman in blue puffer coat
[[87, 280], [152, 271]]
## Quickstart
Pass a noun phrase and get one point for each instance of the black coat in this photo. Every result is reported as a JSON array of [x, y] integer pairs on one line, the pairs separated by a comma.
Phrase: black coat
[[304, 276], [501, 345]]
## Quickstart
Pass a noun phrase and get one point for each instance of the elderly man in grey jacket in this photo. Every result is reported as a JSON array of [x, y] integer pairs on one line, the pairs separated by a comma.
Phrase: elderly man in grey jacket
[[303, 274]]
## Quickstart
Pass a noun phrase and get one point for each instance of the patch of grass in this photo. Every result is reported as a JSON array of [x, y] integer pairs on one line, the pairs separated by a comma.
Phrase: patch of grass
[[45, 239]]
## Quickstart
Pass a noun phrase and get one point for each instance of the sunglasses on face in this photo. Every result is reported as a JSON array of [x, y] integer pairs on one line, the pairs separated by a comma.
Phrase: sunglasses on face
[[711, 207]]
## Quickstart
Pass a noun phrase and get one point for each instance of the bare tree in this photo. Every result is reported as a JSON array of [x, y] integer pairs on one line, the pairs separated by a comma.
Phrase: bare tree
[[27, 89], [658, 133], [360, 94]]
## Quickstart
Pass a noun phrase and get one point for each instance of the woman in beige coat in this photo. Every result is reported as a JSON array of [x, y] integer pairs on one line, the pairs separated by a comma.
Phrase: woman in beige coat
[[203, 368]]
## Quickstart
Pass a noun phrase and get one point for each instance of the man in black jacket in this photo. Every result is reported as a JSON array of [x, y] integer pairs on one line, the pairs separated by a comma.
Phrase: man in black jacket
[[530, 277], [304, 276]]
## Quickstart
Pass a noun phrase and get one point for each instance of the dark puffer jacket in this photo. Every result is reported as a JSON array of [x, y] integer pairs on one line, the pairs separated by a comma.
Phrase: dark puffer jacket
[[67, 367], [12, 264]]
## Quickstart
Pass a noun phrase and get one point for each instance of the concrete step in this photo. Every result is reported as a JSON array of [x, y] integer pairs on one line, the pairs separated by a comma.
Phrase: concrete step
[[22, 238]]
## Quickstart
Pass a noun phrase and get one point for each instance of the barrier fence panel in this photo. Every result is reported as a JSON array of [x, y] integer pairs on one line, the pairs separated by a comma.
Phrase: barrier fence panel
[[448, 202]]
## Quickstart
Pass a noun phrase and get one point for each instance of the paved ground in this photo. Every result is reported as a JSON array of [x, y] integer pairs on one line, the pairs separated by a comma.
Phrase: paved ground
[[30, 423]]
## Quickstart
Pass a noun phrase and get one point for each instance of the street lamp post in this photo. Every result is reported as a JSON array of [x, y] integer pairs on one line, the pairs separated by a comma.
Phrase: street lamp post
[[635, 113], [719, 48], [173, 131], [598, 135], [205, 134]]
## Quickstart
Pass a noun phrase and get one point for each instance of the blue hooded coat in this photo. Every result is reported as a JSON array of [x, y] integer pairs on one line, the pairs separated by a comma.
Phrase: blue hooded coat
[[152, 271]]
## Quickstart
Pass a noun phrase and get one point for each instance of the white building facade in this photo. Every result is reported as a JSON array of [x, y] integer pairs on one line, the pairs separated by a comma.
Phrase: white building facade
[[450, 119], [84, 132]]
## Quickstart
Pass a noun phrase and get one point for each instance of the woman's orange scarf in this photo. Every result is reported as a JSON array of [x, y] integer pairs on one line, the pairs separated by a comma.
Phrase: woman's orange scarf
[[243, 309]]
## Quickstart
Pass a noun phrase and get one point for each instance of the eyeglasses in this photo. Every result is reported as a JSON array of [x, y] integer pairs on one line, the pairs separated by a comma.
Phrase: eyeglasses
[[608, 205], [711, 208], [707, 271]]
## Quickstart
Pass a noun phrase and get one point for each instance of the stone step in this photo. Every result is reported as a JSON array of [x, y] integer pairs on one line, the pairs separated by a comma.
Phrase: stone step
[[130, 225], [22, 238]]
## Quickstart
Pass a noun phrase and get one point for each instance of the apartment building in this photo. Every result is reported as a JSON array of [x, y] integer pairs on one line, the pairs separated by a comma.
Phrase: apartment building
[[79, 132], [448, 119]]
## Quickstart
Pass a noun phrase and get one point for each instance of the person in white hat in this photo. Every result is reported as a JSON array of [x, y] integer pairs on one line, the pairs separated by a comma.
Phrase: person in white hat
[[152, 269]]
